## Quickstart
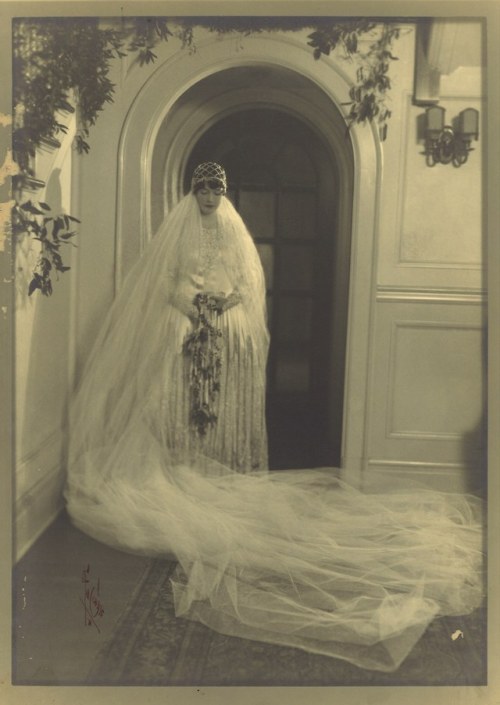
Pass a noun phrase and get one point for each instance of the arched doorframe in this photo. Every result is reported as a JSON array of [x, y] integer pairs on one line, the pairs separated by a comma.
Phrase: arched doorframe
[[173, 78], [242, 99]]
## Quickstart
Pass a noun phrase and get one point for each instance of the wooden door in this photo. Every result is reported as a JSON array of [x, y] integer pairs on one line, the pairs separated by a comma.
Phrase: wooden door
[[282, 180]]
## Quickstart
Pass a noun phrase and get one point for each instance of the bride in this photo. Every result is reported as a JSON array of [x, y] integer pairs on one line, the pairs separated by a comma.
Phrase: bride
[[168, 457]]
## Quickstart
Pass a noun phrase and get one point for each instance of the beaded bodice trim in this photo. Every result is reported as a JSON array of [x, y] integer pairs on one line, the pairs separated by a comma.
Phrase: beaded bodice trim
[[210, 248]]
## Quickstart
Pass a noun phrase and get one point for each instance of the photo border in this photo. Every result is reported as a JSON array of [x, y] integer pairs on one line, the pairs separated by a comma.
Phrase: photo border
[[384, 695]]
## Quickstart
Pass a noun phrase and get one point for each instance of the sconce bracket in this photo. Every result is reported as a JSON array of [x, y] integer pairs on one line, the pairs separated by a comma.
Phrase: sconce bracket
[[445, 145]]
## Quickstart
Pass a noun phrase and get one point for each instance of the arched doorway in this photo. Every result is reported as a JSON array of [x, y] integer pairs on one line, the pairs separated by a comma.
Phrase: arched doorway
[[182, 100], [284, 180]]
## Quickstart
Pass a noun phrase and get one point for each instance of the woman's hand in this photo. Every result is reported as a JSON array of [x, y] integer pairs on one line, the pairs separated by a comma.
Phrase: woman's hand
[[233, 299], [218, 302]]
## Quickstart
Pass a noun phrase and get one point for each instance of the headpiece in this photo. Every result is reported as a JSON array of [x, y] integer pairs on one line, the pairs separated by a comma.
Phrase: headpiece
[[209, 171]]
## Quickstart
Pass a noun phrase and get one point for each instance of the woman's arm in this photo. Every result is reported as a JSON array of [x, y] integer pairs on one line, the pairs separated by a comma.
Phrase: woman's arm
[[233, 299]]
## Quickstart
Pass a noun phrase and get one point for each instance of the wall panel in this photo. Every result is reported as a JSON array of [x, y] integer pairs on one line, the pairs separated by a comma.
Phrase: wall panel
[[428, 392], [43, 340], [432, 225]]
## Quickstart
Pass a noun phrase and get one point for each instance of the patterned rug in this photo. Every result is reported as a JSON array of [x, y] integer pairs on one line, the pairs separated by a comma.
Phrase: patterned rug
[[150, 646]]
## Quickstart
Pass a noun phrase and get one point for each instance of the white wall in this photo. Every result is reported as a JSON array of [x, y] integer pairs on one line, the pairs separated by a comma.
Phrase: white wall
[[427, 388], [43, 364]]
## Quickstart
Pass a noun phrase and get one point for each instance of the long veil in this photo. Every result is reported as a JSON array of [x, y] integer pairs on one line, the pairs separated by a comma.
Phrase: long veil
[[291, 557]]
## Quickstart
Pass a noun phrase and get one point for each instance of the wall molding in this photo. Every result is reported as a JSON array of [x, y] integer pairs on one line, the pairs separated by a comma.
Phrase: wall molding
[[443, 476], [36, 509], [49, 440], [428, 466], [431, 295], [39, 479], [406, 103], [424, 436], [423, 325], [35, 465], [434, 264]]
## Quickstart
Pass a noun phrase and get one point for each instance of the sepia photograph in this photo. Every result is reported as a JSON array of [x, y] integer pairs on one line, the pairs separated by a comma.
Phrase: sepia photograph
[[250, 303]]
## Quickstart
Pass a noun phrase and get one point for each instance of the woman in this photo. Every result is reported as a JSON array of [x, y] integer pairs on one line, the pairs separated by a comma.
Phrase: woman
[[168, 424], [214, 391]]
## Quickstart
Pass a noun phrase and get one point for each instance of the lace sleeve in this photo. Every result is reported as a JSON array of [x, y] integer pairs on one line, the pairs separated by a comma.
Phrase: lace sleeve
[[181, 292]]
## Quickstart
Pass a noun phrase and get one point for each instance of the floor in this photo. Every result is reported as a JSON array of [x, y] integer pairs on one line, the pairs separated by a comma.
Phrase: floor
[[53, 640], [61, 631]]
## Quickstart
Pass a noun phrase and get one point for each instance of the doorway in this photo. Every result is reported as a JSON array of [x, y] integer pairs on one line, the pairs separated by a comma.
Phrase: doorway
[[283, 179]]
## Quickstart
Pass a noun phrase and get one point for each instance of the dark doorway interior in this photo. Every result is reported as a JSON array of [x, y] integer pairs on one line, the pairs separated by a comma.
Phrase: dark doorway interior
[[283, 181]]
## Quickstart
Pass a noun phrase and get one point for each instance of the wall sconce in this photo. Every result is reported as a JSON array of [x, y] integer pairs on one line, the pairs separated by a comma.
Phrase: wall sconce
[[443, 144]]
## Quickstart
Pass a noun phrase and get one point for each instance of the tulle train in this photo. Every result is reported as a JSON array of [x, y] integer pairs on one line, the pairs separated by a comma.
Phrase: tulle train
[[297, 558]]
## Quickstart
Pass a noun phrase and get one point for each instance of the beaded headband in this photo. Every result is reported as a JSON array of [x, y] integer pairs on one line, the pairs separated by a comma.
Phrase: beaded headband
[[209, 171]]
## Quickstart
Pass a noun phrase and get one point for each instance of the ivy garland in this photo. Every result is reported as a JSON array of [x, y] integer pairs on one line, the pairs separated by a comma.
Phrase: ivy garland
[[49, 54]]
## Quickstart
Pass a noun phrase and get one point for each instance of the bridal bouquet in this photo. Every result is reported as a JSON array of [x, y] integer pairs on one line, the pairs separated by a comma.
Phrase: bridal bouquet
[[204, 346]]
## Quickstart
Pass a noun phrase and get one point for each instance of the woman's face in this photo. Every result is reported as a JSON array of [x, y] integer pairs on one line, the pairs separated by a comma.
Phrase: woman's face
[[208, 199]]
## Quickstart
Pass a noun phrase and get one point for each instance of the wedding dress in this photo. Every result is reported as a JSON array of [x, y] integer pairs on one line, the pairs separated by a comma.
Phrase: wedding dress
[[295, 557], [237, 435]]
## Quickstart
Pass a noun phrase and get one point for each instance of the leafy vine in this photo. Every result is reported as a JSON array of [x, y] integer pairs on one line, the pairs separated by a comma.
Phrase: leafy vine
[[48, 82], [369, 94], [51, 232]]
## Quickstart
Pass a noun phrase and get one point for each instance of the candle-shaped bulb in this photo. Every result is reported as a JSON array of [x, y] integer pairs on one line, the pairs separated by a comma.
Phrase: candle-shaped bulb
[[435, 121], [468, 122]]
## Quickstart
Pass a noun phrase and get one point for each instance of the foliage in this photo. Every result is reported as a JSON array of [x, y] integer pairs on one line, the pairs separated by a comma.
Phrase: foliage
[[368, 96], [57, 58], [51, 232], [59, 63]]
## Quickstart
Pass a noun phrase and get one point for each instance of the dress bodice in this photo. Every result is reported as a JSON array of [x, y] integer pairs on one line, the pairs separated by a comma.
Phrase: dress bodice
[[210, 273], [210, 248]]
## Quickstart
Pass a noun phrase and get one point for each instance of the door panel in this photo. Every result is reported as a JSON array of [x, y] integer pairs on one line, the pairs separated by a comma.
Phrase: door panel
[[296, 213], [273, 162], [257, 208], [296, 270]]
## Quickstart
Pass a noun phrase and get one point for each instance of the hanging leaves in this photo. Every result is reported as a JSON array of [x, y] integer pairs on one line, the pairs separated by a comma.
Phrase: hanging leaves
[[51, 232], [53, 59], [369, 95]]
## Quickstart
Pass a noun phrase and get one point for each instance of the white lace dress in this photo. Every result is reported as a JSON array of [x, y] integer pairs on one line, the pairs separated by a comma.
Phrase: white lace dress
[[237, 439]]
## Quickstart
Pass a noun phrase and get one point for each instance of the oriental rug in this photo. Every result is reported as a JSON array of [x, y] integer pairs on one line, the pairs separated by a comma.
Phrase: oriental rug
[[150, 646]]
